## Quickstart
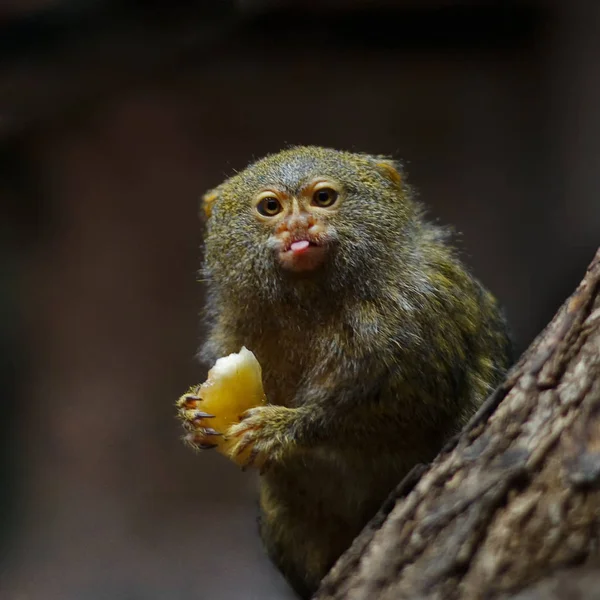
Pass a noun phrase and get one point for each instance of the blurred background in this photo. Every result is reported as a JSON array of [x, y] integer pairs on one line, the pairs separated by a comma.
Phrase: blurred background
[[115, 116]]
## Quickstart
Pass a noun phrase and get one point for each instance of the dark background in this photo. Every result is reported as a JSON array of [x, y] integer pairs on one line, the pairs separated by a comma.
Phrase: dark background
[[116, 116]]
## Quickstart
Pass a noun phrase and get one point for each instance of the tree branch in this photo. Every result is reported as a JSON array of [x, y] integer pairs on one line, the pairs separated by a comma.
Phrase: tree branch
[[514, 498]]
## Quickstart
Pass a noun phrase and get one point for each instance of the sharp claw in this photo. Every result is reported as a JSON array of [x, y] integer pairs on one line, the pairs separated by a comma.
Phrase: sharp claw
[[202, 415], [188, 400], [206, 446], [210, 431], [245, 415]]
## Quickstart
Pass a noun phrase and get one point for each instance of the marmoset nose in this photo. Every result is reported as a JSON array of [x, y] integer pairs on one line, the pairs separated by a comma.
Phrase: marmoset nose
[[297, 221]]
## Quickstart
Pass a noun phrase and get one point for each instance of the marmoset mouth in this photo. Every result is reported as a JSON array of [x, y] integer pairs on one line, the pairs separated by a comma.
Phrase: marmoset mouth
[[302, 255], [301, 246]]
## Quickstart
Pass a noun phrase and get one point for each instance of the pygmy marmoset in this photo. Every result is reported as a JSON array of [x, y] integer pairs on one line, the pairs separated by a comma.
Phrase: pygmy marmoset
[[375, 342]]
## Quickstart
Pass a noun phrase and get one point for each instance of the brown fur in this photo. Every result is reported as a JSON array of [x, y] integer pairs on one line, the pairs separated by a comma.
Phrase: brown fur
[[371, 361]]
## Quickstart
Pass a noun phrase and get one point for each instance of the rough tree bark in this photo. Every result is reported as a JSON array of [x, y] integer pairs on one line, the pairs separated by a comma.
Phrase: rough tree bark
[[512, 505]]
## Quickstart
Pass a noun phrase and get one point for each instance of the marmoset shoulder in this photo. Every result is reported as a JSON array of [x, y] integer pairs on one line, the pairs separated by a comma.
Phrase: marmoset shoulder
[[375, 341]]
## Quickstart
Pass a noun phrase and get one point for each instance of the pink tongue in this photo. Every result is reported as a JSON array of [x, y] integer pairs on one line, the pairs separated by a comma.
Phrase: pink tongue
[[298, 247]]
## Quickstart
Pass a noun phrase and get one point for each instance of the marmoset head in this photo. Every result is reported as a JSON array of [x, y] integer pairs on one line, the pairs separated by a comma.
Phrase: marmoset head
[[306, 213]]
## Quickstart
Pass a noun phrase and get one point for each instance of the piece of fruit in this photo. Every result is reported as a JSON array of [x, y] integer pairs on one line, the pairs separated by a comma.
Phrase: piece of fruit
[[233, 386]]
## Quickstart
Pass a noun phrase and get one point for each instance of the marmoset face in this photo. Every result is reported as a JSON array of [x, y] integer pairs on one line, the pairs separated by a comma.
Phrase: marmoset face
[[299, 222], [301, 210]]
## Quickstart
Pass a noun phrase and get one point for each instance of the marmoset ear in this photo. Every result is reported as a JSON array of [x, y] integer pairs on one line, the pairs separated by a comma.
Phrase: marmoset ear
[[206, 204], [390, 169]]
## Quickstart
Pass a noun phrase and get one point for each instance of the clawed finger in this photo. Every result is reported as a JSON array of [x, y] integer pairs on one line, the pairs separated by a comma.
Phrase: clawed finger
[[188, 400], [251, 412], [198, 442], [198, 415], [246, 440], [251, 459]]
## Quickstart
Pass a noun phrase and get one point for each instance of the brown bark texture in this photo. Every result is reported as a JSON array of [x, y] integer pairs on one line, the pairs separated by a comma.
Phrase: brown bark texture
[[511, 507]]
